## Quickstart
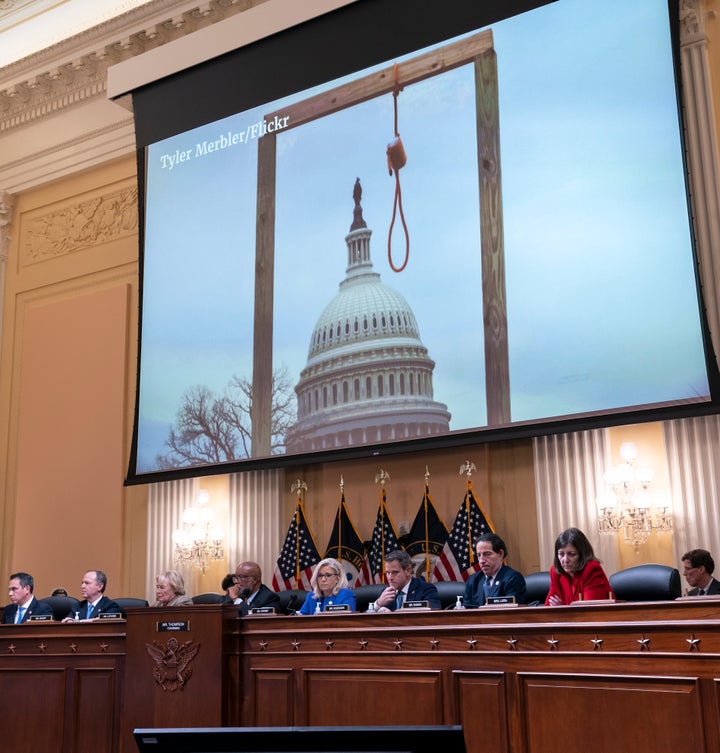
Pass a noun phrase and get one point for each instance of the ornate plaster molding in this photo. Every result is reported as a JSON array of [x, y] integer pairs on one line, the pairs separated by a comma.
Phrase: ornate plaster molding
[[82, 225], [6, 207], [75, 70], [692, 22]]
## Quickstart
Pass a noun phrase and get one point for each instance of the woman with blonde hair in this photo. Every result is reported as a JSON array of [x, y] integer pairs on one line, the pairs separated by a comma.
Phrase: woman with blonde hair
[[328, 584], [170, 590]]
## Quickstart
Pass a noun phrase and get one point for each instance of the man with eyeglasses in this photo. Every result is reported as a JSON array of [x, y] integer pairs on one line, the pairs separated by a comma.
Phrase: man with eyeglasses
[[248, 590], [495, 578], [698, 567]]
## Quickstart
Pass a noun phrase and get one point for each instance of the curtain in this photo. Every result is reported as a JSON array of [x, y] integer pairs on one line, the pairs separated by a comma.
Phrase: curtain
[[569, 473]]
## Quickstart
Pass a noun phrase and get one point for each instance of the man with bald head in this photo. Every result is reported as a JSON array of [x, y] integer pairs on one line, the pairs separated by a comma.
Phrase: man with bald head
[[248, 590]]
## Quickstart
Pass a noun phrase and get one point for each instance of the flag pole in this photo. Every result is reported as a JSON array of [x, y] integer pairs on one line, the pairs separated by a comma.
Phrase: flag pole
[[339, 518], [427, 527], [300, 487], [382, 476], [467, 468]]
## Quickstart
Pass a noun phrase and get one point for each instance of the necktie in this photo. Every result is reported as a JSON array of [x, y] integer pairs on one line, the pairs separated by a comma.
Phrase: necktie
[[19, 616], [90, 609], [701, 592], [399, 600]]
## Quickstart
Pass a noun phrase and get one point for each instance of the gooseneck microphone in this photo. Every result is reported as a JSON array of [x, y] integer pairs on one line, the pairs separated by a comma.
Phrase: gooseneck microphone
[[289, 608]]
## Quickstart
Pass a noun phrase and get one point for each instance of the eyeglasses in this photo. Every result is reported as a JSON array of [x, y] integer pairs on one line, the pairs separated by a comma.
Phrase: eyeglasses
[[327, 575], [238, 578]]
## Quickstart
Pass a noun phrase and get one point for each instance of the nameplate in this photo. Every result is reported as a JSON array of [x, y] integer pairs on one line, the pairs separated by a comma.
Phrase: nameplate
[[499, 601], [262, 610], [591, 602], [110, 616], [40, 618], [337, 608], [177, 626], [416, 605]]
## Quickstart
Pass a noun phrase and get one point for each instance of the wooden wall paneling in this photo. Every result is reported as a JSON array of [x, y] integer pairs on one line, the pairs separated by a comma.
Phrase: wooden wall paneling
[[96, 710], [270, 700], [33, 699], [482, 702], [365, 697], [625, 714]]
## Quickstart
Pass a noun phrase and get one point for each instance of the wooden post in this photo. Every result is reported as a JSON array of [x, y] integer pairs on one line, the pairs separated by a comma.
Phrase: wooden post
[[492, 242]]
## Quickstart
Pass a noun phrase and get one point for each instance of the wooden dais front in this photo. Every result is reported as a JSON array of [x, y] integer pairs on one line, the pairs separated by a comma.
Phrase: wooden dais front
[[620, 677]]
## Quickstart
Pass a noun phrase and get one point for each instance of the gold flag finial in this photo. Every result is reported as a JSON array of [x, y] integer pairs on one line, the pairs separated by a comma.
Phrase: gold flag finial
[[427, 475], [468, 468], [342, 484], [382, 476], [299, 486]]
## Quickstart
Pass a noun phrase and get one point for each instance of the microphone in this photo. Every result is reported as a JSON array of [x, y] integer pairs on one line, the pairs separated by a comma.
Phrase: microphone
[[289, 608]]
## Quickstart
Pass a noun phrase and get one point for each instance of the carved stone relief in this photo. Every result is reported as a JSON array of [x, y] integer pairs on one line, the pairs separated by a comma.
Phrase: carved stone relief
[[79, 226], [6, 205]]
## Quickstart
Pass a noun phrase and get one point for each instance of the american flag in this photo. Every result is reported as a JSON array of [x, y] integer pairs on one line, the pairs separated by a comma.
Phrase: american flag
[[457, 560], [298, 557], [384, 540]]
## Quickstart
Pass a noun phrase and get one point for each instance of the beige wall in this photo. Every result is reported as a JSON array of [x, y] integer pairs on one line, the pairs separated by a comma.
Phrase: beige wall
[[67, 382]]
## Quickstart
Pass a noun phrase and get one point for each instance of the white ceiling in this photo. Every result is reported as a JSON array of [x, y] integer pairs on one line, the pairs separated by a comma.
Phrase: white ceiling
[[28, 26]]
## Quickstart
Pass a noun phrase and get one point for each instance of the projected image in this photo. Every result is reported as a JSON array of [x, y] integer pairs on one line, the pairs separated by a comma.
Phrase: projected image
[[531, 259]]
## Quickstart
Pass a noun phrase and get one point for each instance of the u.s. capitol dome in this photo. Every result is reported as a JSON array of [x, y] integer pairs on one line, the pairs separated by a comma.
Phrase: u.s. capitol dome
[[368, 376]]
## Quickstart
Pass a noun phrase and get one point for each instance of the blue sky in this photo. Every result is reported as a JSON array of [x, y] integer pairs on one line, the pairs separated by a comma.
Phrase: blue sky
[[601, 298]]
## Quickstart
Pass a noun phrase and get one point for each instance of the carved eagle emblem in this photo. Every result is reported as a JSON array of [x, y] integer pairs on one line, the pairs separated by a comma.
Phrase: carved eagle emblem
[[171, 668]]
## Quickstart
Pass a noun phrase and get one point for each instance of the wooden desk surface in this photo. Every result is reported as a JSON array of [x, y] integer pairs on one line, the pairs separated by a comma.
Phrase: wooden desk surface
[[615, 677]]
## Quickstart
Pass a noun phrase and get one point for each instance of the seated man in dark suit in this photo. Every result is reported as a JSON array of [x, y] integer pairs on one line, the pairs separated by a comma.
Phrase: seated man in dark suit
[[22, 602], [698, 567], [94, 601], [402, 586], [495, 577], [249, 592]]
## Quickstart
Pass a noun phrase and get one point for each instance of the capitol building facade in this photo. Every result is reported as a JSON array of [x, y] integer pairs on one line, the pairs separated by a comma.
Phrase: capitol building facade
[[368, 376]]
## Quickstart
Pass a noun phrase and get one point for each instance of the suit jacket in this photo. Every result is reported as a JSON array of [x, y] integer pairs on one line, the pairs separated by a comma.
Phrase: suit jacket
[[34, 607], [507, 582], [590, 583], [104, 605], [420, 590], [264, 597], [712, 590]]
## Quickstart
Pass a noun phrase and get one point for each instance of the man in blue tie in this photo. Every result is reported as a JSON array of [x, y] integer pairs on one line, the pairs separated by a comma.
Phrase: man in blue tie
[[94, 601], [402, 586], [22, 602], [495, 577]]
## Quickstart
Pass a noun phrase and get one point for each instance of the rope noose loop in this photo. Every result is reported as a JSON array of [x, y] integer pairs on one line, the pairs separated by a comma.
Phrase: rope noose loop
[[396, 159]]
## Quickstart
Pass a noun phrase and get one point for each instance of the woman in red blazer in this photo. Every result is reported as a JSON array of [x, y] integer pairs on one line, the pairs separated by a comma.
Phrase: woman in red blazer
[[576, 574]]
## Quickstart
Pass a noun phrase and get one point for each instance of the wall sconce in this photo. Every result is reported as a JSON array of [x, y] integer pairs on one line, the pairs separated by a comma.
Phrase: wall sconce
[[627, 505], [198, 542]]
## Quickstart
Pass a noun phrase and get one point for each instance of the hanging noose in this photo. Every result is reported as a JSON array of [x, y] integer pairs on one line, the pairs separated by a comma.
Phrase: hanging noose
[[396, 158]]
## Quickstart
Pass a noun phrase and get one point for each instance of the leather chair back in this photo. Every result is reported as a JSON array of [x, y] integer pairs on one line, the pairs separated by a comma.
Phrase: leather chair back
[[207, 598], [538, 585], [365, 594], [62, 606], [649, 582]]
